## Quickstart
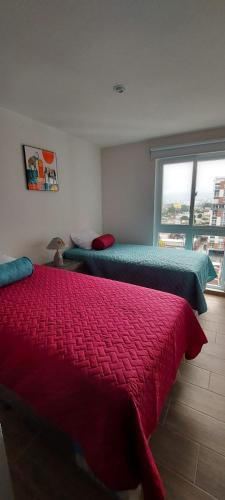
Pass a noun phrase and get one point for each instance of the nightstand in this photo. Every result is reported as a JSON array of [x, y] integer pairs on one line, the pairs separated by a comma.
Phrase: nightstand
[[68, 265]]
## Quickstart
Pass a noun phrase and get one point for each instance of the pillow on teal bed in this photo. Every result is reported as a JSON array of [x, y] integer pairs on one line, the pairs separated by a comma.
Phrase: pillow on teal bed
[[18, 269]]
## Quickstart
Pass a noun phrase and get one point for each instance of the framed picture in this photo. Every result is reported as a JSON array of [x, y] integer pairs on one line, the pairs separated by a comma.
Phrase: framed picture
[[41, 169]]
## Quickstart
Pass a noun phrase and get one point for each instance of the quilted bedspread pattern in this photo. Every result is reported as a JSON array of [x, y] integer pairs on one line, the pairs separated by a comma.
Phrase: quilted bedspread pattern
[[97, 358], [182, 272]]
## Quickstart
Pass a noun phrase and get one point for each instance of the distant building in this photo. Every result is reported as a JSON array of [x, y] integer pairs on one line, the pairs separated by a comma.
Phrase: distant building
[[217, 243], [218, 209]]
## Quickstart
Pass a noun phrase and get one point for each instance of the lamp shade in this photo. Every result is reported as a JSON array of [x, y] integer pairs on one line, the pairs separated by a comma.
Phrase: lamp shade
[[56, 244]]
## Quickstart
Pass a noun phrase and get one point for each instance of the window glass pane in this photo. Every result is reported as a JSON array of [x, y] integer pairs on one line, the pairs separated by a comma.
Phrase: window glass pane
[[214, 246], [171, 240], [176, 193], [210, 193]]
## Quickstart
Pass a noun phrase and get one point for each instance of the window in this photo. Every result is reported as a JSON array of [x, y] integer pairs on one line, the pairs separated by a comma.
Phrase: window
[[190, 207], [210, 198], [176, 193]]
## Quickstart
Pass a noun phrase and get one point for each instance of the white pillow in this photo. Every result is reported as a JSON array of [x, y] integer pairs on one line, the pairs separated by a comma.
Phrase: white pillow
[[84, 238], [5, 258]]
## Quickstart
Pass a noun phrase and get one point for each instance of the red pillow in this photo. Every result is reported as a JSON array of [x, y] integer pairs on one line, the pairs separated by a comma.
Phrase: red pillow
[[102, 242]]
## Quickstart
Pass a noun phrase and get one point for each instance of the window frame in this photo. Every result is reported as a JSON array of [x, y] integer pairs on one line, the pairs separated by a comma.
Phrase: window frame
[[190, 230]]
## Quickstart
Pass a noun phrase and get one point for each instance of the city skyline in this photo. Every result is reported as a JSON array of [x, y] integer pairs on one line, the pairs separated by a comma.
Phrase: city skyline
[[177, 180], [185, 201]]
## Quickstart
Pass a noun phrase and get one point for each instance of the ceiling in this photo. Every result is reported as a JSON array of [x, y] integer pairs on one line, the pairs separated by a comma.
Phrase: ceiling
[[59, 60]]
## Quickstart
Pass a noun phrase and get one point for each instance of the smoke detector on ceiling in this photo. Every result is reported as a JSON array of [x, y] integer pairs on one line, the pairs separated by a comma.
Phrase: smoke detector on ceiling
[[119, 88]]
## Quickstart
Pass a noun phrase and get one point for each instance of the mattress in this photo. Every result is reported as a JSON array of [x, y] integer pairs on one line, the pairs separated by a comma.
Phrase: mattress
[[89, 353], [182, 272]]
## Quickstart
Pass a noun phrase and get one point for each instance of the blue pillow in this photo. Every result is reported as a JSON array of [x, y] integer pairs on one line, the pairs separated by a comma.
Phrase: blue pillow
[[15, 271]]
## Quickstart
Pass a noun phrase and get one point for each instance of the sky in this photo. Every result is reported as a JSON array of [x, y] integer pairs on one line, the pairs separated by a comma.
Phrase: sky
[[177, 180]]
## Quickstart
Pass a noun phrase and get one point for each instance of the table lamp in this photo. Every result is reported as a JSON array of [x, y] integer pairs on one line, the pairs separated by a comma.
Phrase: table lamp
[[57, 244]]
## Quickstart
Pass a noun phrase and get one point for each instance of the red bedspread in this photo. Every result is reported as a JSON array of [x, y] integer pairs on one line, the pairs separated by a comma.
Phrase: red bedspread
[[97, 358]]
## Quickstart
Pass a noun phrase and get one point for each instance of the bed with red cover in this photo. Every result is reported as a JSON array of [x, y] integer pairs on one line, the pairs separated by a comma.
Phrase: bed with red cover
[[97, 358]]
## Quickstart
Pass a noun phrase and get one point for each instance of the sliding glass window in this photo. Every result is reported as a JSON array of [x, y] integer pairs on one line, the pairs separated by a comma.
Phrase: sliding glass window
[[190, 207]]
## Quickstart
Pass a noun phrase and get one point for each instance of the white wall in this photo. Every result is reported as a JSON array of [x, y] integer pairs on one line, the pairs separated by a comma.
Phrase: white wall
[[127, 194], [29, 219], [128, 183]]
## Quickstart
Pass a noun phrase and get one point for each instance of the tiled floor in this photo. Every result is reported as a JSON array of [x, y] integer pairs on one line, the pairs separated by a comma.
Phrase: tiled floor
[[189, 443]]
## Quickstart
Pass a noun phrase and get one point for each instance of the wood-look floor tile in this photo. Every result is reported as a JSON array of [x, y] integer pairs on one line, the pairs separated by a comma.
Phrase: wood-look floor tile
[[209, 362], [210, 335], [170, 448], [220, 339], [217, 306], [221, 328], [211, 473], [200, 399], [196, 426], [217, 384], [215, 349], [212, 326], [194, 375], [214, 316], [211, 298], [178, 488]]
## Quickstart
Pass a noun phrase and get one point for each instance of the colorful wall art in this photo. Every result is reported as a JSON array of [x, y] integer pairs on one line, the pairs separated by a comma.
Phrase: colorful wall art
[[41, 169]]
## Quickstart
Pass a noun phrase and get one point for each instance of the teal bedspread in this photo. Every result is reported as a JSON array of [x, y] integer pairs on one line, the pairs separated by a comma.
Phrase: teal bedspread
[[182, 272]]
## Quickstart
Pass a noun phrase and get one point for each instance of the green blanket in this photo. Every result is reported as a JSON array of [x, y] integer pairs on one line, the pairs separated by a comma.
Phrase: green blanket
[[181, 272]]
